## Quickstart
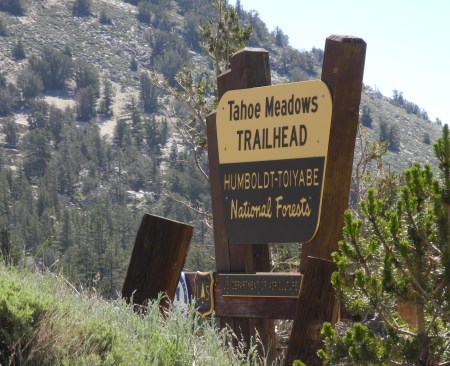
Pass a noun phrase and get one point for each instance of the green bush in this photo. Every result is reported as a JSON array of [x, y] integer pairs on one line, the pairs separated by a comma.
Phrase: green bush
[[105, 18], [145, 11], [21, 307], [53, 67], [397, 255], [30, 84]]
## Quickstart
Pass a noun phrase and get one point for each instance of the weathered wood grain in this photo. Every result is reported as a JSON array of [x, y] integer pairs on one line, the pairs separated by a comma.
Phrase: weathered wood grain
[[317, 304], [157, 259], [249, 68], [342, 71]]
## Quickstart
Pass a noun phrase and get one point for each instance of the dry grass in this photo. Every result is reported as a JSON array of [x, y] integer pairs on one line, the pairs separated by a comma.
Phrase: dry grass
[[46, 322]]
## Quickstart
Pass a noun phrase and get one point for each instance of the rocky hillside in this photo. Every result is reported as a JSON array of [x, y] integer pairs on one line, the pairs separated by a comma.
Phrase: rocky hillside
[[76, 176], [111, 47]]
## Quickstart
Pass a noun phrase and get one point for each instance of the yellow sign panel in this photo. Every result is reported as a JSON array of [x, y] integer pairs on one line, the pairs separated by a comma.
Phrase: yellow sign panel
[[273, 144], [287, 121]]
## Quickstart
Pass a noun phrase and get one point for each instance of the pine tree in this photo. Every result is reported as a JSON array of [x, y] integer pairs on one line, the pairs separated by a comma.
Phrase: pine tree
[[145, 11], [9, 98], [223, 36], [82, 8], [5, 246], [149, 94], [153, 136], [86, 100], [120, 132], [38, 117], [53, 67], [14, 7], [86, 76], [366, 118], [58, 120], [133, 64], [281, 39], [37, 152], [397, 256], [390, 132], [105, 18], [18, 51], [10, 131], [6, 206], [30, 84], [3, 28], [108, 98]]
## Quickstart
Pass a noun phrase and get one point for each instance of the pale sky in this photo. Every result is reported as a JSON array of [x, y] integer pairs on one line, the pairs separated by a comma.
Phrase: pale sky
[[408, 46]]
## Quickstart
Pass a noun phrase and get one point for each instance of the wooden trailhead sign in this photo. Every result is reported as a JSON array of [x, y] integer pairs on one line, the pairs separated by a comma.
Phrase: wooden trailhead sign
[[280, 164], [273, 144]]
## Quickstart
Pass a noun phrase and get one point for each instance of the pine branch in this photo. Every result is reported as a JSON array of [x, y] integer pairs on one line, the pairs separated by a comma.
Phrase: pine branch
[[207, 216], [409, 272]]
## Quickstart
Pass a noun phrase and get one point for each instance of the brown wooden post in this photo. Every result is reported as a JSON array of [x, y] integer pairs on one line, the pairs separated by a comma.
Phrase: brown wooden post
[[342, 71], [157, 260], [319, 305], [249, 68]]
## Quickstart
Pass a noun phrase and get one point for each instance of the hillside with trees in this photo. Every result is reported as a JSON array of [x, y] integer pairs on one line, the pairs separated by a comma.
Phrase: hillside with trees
[[102, 108], [101, 111]]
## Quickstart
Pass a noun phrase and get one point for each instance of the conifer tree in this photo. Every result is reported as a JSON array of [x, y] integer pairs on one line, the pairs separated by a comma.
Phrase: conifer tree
[[221, 36], [108, 98], [5, 245], [366, 118], [9, 98], [149, 94], [3, 28], [15, 7], [53, 67], [30, 84], [18, 51], [82, 8], [105, 18], [397, 256], [37, 152], [224, 36], [134, 64], [86, 76], [86, 99], [11, 131]]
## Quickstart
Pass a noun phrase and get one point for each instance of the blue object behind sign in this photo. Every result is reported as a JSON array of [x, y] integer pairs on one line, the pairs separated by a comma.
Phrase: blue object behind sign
[[182, 293]]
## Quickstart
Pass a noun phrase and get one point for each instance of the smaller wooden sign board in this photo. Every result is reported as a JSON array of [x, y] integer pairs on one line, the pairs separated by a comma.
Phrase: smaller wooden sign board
[[261, 285], [243, 304]]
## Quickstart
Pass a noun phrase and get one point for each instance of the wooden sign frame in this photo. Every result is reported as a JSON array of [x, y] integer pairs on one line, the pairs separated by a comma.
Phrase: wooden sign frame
[[161, 245], [342, 72]]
